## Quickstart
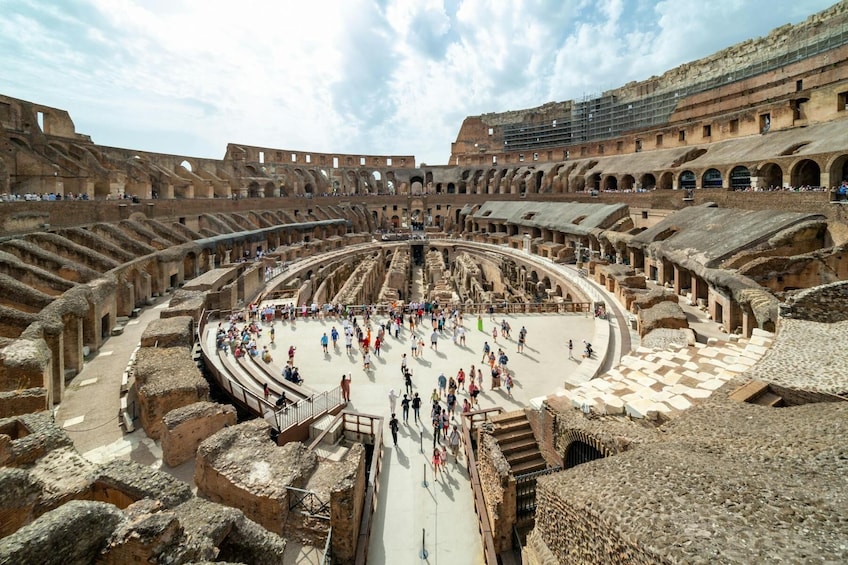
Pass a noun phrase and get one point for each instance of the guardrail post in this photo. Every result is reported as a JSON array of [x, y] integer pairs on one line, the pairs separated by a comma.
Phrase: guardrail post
[[424, 483], [423, 554]]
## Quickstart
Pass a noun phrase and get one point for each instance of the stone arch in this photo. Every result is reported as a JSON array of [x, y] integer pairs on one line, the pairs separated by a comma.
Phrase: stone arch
[[581, 447], [610, 182], [190, 265], [270, 190], [687, 180], [712, 178], [627, 182], [593, 182], [740, 178], [186, 164], [416, 185], [770, 175], [837, 170], [253, 190], [805, 172], [648, 182], [666, 181]]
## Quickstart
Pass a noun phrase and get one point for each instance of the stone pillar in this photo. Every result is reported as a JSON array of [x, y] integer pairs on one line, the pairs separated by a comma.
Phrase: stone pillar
[[57, 368], [677, 280], [72, 344]]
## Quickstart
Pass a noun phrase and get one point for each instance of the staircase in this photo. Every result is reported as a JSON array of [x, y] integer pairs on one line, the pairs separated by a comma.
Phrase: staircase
[[517, 442]]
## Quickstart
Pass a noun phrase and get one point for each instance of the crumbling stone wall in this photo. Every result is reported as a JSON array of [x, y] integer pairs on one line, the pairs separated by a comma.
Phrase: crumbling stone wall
[[75, 532], [498, 486], [665, 315], [347, 499], [24, 376], [241, 467], [187, 426], [177, 331], [364, 283], [166, 378], [828, 303], [394, 286]]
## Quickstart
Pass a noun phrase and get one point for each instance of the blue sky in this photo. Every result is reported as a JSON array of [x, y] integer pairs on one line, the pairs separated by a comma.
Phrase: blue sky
[[346, 76]]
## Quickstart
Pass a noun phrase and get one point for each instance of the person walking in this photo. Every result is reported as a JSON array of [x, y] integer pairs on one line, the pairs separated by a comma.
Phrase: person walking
[[508, 384], [266, 390], [403, 362], [454, 440], [437, 425], [325, 341], [486, 350], [416, 407], [393, 425], [437, 462], [345, 384], [404, 406], [393, 396], [273, 334], [570, 349], [407, 381]]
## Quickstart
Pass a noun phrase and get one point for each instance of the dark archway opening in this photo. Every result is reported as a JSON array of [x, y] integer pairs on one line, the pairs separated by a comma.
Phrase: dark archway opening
[[580, 452]]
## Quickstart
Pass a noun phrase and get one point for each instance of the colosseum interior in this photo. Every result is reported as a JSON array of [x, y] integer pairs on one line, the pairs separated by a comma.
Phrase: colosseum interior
[[717, 191]]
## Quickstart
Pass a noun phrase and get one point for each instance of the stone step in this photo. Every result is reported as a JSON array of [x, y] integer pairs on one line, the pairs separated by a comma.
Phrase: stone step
[[524, 456], [514, 435], [509, 417], [749, 391], [517, 445], [511, 425], [769, 399], [529, 467]]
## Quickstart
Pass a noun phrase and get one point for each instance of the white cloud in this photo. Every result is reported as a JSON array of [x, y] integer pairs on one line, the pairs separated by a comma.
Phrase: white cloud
[[357, 76]]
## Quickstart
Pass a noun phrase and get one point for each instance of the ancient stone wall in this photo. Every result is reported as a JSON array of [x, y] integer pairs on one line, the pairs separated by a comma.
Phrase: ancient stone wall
[[241, 467], [498, 486], [347, 499], [828, 303], [575, 533], [186, 427], [395, 285], [177, 331], [76, 532], [165, 379]]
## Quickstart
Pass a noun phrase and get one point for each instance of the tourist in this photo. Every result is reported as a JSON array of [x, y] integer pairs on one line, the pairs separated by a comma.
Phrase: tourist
[[334, 334], [486, 350], [451, 399], [413, 345], [437, 461], [393, 396], [437, 424], [403, 364], [434, 340], [460, 379], [466, 406], [454, 441], [407, 381], [443, 384], [273, 334], [345, 384], [509, 384], [416, 407], [282, 402], [325, 341], [366, 361], [393, 426], [266, 390], [404, 406], [570, 349]]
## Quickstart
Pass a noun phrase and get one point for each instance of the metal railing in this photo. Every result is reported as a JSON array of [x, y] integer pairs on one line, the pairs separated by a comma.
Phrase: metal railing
[[308, 409], [308, 502], [525, 492], [327, 556]]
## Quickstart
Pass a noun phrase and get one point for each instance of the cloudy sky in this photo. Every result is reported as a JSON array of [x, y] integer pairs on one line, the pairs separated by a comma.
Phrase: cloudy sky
[[344, 76]]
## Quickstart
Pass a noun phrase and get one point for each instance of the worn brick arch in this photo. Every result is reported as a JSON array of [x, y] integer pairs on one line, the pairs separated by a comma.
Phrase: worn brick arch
[[574, 448]]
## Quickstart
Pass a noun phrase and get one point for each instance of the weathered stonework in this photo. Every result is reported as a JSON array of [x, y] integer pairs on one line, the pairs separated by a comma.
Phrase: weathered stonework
[[187, 426], [498, 490], [667, 315], [177, 331], [166, 378], [241, 467]]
